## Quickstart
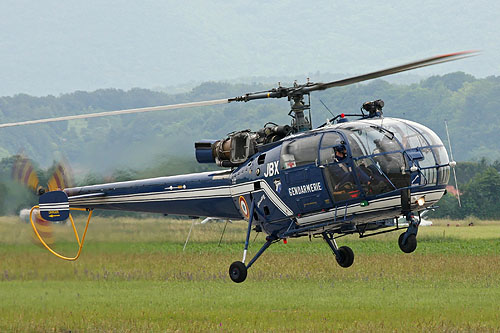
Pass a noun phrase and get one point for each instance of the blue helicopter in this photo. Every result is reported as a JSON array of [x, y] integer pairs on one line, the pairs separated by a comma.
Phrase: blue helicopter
[[348, 176]]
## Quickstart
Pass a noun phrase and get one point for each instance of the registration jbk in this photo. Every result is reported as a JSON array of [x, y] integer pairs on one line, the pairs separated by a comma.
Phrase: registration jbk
[[272, 169]]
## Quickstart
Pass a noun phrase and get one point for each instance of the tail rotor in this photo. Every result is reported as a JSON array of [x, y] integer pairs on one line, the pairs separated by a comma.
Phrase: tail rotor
[[25, 172]]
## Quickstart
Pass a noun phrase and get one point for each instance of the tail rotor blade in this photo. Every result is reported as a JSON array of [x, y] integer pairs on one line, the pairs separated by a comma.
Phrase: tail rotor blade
[[61, 177], [23, 171]]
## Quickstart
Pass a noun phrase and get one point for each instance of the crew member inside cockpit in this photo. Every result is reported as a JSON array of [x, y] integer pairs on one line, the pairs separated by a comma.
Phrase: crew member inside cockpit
[[340, 153], [390, 163], [340, 170]]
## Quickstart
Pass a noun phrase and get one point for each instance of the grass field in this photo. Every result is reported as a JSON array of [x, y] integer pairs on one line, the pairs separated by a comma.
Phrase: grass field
[[134, 276]]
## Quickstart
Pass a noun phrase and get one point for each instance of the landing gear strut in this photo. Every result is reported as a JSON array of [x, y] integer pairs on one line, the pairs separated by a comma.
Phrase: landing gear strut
[[408, 240], [343, 254], [238, 269]]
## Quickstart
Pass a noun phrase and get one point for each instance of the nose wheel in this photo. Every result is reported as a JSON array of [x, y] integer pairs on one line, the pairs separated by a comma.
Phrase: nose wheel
[[408, 240], [344, 254], [409, 245]]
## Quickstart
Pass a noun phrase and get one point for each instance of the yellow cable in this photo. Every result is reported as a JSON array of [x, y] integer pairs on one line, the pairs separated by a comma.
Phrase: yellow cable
[[80, 244]]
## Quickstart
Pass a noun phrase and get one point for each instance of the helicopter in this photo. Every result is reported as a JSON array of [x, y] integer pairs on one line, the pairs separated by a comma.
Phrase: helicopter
[[345, 177]]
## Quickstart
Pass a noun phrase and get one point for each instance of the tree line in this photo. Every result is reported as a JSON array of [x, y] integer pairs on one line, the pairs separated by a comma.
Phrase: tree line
[[479, 185]]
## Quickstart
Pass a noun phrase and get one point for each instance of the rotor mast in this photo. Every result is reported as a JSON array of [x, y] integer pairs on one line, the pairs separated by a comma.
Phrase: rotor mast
[[300, 123]]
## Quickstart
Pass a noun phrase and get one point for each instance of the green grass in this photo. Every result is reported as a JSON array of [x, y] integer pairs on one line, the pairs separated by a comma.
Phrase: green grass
[[134, 276], [273, 305]]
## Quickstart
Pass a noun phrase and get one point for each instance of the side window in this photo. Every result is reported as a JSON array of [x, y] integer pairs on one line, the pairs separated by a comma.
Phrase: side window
[[357, 146], [327, 152], [330, 139], [340, 182], [366, 140], [300, 151], [337, 172]]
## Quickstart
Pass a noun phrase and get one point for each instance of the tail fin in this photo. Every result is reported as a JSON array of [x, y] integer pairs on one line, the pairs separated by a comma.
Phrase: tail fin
[[54, 206]]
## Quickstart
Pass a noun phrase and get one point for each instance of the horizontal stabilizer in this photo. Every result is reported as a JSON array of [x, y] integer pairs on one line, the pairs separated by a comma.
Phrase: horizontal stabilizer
[[54, 206]]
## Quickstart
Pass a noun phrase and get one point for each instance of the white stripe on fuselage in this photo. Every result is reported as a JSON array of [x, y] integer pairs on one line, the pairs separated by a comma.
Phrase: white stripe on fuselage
[[376, 205]]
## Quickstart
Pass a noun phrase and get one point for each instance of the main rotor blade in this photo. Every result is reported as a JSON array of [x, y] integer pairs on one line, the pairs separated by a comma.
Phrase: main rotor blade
[[118, 112], [393, 70]]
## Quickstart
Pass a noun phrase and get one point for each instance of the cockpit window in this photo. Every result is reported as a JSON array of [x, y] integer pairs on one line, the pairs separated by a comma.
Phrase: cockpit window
[[330, 139], [373, 181], [300, 151], [429, 135], [427, 164], [330, 147], [408, 137], [382, 151], [393, 165], [369, 139]]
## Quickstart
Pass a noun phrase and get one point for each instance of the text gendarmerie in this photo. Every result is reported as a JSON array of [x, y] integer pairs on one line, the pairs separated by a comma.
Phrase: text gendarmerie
[[303, 189]]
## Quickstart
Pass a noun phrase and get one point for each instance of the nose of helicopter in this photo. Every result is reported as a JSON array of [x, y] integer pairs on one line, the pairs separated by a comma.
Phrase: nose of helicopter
[[391, 154]]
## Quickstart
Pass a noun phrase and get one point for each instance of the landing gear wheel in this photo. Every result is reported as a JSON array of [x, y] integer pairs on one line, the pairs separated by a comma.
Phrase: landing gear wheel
[[238, 271], [346, 256], [411, 243]]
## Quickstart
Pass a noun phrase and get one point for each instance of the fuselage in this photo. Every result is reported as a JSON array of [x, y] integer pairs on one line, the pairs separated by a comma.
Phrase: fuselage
[[301, 183]]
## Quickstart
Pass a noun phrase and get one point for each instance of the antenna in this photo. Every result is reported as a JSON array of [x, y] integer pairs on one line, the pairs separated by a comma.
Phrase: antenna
[[326, 107], [453, 163]]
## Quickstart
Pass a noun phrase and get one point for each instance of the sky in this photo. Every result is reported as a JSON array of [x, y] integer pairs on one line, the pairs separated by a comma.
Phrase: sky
[[54, 47]]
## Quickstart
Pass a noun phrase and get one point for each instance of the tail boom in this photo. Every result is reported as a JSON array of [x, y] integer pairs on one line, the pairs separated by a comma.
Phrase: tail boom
[[201, 194]]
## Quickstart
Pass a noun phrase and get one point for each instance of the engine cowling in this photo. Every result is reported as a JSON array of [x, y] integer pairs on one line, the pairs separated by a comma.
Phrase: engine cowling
[[238, 146], [229, 152]]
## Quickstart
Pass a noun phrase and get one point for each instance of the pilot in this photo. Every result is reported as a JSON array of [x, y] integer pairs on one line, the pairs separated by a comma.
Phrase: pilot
[[340, 170], [389, 163], [340, 153], [392, 163], [372, 181], [385, 145]]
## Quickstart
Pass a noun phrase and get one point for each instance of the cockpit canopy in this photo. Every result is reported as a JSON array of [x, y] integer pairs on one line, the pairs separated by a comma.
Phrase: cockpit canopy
[[368, 137], [379, 151]]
